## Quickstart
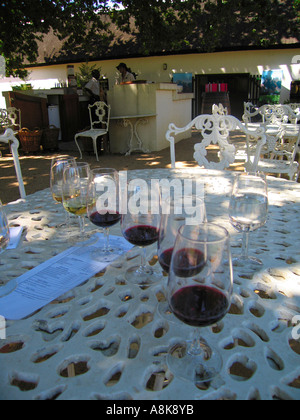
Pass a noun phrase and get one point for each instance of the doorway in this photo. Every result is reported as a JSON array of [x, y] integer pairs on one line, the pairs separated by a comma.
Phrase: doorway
[[242, 87]]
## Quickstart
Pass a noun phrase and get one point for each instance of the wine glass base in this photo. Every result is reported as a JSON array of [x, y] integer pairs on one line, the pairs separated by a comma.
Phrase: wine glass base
[[142, 276], [240, 259], [79, 240], [106, 255], [196, 368]]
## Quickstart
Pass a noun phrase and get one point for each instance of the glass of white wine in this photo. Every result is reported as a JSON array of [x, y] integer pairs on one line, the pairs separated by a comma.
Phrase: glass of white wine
[[58, 166], [74, 196]]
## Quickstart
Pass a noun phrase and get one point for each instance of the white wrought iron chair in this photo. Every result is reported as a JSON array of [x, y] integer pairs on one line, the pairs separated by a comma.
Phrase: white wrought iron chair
[[99, 116], [10, 118], [9, 138], [215, 130], [270, 114], [282, 156]]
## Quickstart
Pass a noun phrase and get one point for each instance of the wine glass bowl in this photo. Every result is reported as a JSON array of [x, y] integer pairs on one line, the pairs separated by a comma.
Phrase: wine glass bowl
[[173, 217], [248, 209], [74, 194], [58, 166], [140, 227], [199, 292], [103, 204]]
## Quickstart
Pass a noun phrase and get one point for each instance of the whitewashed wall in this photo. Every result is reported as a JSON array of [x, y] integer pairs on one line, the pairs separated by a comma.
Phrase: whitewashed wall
[[152, 68]]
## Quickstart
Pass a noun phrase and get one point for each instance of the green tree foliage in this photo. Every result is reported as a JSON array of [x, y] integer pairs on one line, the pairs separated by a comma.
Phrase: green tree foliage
[[208, 24], [24, 22], [155, 26]]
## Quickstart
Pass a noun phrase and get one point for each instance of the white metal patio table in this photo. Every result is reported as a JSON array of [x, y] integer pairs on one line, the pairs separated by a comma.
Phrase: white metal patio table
[[133, 121], [106, 339]]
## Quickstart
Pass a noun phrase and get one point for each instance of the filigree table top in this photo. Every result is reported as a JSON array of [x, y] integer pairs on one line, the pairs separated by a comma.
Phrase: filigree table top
[[106, 339]]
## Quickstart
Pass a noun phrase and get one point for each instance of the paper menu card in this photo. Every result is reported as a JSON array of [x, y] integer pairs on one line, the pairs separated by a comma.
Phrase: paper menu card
[[55, 277]]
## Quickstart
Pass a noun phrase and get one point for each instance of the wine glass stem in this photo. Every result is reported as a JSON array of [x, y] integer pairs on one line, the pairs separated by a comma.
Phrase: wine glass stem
[[67, 219], [195, 346], [81, 225], [245, 244], [144, 258], [106, 238]]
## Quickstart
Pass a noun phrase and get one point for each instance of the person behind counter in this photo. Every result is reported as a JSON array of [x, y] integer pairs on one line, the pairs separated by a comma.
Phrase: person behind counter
[[126, 75], [94, 89]]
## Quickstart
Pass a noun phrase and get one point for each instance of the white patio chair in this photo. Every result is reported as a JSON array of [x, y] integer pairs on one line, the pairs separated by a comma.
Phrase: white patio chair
[[270, 114], [9, 138], [99, 116], [282, 156], [10, 118], [215, 130]]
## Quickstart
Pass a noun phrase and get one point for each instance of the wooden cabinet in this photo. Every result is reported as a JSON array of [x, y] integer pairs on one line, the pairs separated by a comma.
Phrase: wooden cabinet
[[34, 111], [69, 116]]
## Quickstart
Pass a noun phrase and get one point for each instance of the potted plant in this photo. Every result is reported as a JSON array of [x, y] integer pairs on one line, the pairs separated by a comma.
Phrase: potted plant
[[85, 74]]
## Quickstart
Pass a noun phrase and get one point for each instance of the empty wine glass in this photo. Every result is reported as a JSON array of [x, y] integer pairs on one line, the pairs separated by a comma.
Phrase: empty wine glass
[[140, 227], [199, 293], [103, 205], [4, 241], [190, 210], [74, 194], [248, 209]]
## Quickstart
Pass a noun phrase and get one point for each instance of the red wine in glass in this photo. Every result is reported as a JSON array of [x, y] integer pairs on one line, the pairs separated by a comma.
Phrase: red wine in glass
[[105, 220], [188, 262], [199, 306], [177, 213], [165, 259], [142, 235], [140, 227], [200, 287], [104, 183]]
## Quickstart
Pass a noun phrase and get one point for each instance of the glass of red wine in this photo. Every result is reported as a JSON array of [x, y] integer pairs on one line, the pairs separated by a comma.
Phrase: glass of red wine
[[190, 210], [200, 287], [103, 204], [140, 227]]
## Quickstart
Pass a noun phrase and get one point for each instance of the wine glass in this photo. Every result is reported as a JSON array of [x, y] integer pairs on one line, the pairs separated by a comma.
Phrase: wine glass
[[200, 287], [140, 227], [4, 241], [58, 166], [74, 194], [188, 211], [248, 209], [103, 205]]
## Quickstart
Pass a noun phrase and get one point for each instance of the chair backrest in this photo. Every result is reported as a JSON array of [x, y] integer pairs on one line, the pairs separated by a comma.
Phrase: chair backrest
[[295, 107], [10, 118], [99, 114], [286, 146], [219, 109], [215, 129], [270, 114]]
